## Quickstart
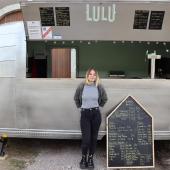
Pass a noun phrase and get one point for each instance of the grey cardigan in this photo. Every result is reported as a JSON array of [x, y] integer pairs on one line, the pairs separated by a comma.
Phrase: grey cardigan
[[78, 95]]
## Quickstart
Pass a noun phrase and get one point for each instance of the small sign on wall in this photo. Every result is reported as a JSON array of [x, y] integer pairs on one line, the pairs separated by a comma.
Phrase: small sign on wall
[[156, 20], [34, 29], [47, 16], [141, 19], [47, 32]]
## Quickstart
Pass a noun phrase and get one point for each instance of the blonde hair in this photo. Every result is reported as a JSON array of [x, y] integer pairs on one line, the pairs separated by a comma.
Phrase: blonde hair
[[97, 76]]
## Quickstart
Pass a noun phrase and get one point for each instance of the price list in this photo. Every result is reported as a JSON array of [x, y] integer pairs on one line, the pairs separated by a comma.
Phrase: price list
[[156, 20], [129, 136], [47, 16], [141, 19], [62, 16]]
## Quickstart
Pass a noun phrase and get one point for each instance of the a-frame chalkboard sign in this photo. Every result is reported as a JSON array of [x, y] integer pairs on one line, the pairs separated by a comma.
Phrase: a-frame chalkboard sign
[[130, 142]]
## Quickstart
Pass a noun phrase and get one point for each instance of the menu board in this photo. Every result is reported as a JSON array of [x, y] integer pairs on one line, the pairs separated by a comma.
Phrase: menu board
[[62, 16], [141, 19], [156, 20], [47, 16], [129, 136]]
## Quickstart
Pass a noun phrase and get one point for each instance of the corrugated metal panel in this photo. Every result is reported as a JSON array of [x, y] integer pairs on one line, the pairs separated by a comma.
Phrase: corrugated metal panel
[[7, 39], [6, 54], [8, 61], [12, 50], [7, 68]]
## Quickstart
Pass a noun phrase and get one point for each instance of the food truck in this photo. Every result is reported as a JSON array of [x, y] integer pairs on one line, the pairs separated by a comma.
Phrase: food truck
[[44, 57]]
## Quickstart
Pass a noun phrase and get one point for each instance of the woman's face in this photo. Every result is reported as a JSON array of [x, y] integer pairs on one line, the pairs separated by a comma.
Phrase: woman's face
[[92, 76]]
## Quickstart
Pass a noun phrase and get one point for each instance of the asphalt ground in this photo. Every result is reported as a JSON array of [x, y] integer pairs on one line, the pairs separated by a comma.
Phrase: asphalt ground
[[53, 154]]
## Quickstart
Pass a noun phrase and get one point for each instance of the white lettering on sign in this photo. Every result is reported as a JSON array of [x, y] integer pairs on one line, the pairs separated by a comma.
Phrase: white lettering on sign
[[100, 13]]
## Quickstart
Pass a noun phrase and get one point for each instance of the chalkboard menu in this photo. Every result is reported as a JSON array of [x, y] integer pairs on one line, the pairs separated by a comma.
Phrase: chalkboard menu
[[62, 16], [156, 20], [141, 19], [129, 136], [47, 16]]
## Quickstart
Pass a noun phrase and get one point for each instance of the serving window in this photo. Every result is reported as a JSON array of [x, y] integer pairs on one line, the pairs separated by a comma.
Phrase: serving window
[[71, 59]]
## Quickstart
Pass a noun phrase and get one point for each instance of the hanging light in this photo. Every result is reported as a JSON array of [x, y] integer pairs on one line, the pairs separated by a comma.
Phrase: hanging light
[[63, 42], [72, 42], [164, 43], [89, 43], [148, 43]]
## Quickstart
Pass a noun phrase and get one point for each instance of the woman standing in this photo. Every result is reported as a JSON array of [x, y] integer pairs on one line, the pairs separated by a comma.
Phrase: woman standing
[[89, 96]]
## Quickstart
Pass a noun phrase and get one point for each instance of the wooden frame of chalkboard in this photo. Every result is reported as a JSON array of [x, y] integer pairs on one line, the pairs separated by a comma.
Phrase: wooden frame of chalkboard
[[153, 154]]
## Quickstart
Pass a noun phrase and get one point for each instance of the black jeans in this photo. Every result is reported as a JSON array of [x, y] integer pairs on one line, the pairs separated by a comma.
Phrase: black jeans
[[90, 123]]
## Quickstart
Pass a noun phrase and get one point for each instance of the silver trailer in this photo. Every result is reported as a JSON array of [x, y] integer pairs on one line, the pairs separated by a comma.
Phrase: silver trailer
[[43, 107]]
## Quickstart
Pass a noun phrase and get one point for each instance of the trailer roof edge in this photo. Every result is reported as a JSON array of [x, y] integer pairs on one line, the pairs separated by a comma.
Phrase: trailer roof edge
[[93, 1]]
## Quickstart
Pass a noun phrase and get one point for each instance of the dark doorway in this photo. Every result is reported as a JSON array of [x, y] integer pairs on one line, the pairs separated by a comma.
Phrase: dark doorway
[[37, 68]]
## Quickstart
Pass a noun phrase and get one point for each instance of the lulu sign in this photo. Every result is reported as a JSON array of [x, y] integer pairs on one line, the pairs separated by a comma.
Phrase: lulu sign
[[100, 13]]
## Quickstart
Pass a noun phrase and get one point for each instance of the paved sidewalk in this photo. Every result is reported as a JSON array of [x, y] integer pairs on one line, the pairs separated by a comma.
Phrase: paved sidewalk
[[44, 154], [65, 155]]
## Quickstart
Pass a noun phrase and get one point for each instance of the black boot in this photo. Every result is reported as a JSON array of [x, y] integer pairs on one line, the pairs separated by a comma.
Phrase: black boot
[[83, 162], [90, 163]]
